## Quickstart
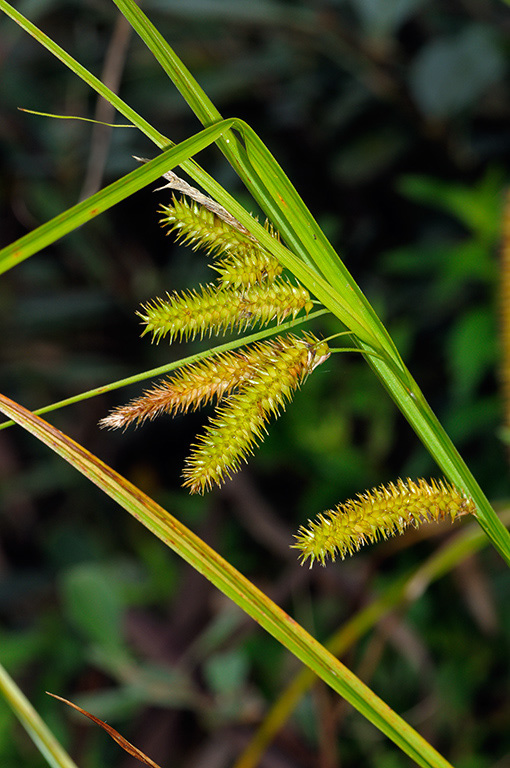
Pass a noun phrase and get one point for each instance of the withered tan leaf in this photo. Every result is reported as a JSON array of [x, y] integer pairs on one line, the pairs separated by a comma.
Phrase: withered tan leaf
[[115, 735]]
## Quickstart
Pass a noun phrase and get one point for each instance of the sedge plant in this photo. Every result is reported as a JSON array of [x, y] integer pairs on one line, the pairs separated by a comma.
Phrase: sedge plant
[[269, 277]]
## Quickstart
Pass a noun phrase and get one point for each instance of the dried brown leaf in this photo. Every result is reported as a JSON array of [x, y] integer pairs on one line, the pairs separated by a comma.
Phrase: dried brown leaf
[[115, 735]]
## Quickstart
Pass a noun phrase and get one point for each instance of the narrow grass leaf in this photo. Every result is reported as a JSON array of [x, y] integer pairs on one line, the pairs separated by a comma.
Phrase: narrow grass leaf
[[79, 214], [233, 584], [83, 73], [32, 722]]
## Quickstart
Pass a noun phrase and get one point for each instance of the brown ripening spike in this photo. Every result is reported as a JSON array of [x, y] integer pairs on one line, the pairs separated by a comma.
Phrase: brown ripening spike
[[193, 386]]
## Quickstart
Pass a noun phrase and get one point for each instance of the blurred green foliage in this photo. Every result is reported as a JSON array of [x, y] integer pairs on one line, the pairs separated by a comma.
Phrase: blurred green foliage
[[392, 118]]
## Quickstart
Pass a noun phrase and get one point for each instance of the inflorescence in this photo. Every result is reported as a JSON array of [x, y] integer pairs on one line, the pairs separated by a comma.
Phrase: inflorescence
[[248, 386], [378, 514]]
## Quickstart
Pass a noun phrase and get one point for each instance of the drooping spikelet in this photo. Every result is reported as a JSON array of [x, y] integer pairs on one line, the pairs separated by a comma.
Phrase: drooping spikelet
[[201, 228], [244, 261], [239, 425], [215, 310], [193, 386], [378, 514]]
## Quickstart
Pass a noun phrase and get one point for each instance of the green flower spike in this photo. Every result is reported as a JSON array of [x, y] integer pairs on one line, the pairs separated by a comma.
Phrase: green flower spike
[[241, 423], [378, 514], [216, 310], [253, 268], [244, 261], [199, 227]]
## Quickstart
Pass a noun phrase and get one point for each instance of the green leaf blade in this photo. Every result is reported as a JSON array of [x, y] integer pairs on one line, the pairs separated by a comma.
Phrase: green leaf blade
[[227, 579], [88, 209]]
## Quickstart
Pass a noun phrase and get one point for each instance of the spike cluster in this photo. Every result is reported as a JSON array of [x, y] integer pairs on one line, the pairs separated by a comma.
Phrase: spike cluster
[[252, 385], [248, 386], [378, 514], [197, 384], [248, 291], [240, 424]]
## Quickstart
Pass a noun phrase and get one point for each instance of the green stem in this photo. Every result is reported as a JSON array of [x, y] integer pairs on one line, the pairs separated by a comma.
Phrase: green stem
[[168, 367], [420, 416]]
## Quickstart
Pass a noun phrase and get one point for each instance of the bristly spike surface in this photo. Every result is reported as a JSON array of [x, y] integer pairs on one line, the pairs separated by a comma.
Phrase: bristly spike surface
[[216, 310], [195, 385], [378, 514], [199, 227], [243, 260], [240, 423], [255, 267]]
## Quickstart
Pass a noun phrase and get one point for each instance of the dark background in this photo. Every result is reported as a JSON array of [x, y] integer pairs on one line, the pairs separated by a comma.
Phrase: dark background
[[393, 121]]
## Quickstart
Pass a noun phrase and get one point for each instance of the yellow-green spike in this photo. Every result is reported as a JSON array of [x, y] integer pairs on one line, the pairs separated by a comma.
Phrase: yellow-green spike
[[378, 514], [240, 423], [217, 310]]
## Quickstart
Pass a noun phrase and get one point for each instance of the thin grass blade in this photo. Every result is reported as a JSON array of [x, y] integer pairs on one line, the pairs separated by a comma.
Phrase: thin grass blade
[[83, 73], [233, 584], [83, 212], [32, 722]]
